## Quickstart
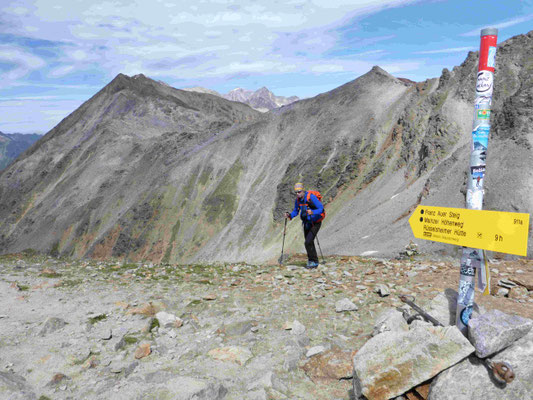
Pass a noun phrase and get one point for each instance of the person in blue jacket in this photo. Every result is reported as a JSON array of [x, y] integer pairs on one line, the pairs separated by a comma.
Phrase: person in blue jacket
[[311, 211]]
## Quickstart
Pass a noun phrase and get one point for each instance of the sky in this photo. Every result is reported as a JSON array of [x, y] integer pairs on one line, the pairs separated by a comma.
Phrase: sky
[[56, 54]]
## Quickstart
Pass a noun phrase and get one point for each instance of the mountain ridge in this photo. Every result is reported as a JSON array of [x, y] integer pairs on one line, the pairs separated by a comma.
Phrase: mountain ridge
[[143, 171]]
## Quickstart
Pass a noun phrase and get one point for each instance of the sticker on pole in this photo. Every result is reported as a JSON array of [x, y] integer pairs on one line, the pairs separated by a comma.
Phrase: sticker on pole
[[504, 232]]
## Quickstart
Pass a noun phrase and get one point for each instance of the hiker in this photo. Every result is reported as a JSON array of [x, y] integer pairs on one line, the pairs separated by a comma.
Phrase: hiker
[[311, 211]]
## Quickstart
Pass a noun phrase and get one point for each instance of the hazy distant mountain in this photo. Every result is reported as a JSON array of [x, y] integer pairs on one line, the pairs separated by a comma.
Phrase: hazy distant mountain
[[199, 89], [13, 144], [147, 172], [262, 99]]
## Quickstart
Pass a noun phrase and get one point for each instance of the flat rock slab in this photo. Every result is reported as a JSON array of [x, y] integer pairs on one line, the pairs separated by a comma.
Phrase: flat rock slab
[[496, 330], [471, 380], [391, 363]]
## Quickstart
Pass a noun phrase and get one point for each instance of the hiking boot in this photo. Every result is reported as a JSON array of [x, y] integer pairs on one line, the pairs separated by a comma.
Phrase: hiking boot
[[311, 265]]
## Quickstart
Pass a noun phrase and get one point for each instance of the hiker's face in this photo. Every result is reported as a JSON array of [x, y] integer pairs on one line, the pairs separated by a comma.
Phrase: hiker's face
[[300, 193]]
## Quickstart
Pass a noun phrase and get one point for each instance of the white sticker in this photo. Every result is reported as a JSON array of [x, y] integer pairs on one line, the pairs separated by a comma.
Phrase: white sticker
[[491, 60], [484, 83]]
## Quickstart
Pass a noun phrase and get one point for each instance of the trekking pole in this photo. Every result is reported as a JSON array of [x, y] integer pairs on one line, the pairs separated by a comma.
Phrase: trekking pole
[[283, 243], [322, 255]]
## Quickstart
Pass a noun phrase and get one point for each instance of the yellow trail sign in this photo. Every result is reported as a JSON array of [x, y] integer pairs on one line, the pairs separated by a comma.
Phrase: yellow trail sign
[[505, 232]]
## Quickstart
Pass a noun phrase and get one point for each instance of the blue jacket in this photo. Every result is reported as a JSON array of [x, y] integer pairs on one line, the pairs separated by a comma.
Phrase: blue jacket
[[301, 207]]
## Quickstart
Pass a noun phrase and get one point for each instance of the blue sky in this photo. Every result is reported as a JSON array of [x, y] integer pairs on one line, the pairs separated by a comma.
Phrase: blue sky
[[54, 55]]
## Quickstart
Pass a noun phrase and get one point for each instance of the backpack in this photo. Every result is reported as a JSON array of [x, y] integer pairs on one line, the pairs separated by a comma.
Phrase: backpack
[[319, 197], [316, 193]]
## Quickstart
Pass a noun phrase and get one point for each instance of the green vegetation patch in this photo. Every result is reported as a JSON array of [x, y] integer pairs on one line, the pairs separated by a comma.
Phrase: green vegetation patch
[[97, 319], [220, 206]]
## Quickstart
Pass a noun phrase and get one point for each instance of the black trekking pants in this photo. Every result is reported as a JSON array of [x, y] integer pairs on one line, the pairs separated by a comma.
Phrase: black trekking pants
[[310, 232]]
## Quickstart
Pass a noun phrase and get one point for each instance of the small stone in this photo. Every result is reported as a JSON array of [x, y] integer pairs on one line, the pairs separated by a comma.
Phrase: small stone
[[210, 297], [143, 350], [313, 351], [345, 305], [506, 283], [382, 290], [168, 320], [297, 328], [57, 378], [502, 292]]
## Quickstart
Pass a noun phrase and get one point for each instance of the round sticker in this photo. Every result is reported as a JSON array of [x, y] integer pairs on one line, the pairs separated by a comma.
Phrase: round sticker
[[466, 314], [484, 83]]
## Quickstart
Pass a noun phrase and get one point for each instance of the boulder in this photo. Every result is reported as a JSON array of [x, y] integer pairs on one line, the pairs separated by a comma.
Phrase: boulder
[[496, 330], [471, 380], [391, 363]]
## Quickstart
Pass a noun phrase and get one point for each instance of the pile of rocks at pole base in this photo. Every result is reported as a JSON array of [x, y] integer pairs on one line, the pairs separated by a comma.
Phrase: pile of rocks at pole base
[[421, 361]]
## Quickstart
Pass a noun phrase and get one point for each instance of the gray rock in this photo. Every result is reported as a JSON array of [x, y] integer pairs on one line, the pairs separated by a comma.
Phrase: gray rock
[[506, 283], [471, 380], [391, 363], [168, 320], [390, 320], [15, 387], [130, 368], [297, 328], [51, 324], [345, 305], [382, 290], [264, 381], [291, 359], [313, 351], [502, 292], [496, 330]]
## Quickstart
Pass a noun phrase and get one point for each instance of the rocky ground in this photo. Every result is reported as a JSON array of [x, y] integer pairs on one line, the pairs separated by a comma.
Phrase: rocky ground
[[101, 330]]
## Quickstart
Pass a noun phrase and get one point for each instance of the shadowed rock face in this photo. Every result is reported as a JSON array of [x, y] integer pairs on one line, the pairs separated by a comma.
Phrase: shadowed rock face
[[145, 171]]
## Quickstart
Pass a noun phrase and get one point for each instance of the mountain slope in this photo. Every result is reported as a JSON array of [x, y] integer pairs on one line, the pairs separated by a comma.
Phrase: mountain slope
[[145, 171], [14, 144]]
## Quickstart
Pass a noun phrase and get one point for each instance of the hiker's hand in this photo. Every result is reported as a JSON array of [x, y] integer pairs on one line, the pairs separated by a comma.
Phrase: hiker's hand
[[309, 212], [287, 215]]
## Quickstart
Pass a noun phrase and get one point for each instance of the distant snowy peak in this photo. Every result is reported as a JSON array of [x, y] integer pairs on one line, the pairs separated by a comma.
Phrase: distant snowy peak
[[262, 99]]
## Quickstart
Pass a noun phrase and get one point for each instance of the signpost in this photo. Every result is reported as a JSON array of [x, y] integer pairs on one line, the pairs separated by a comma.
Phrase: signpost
[[504, 232]]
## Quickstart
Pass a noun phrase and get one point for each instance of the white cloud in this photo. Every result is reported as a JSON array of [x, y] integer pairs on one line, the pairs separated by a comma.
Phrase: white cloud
[[23, 63], [501, 25], [450, 50], [61, 71]]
